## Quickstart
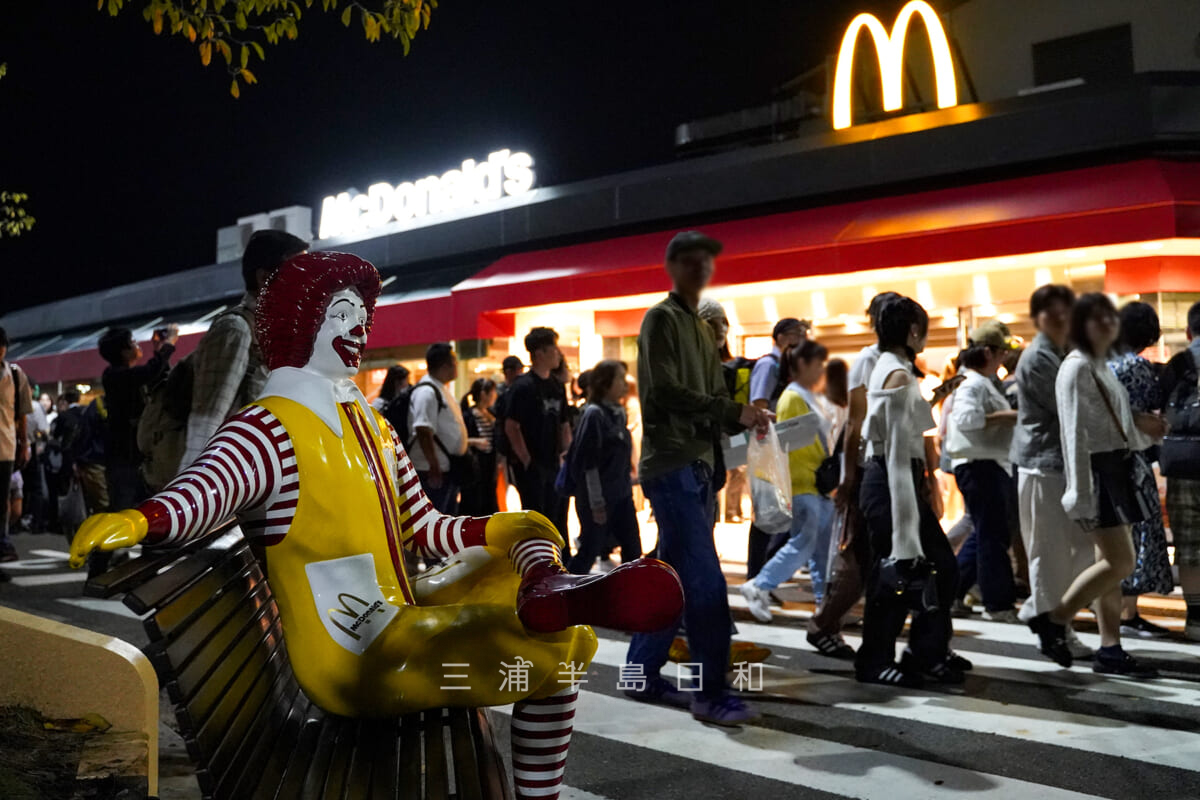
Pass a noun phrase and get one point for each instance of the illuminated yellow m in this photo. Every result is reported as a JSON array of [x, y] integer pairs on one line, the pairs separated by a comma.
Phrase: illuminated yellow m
[[890, 51]]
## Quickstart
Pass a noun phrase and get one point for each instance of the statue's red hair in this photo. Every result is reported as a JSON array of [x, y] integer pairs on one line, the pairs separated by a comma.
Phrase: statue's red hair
[[291, 307]]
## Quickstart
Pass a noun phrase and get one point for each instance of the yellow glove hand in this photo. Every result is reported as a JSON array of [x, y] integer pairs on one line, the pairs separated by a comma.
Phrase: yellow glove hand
[[107, 532], [509, 527]]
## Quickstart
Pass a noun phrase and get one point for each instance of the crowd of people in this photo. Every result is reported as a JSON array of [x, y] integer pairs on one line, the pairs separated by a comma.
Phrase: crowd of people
[[1050, 443]]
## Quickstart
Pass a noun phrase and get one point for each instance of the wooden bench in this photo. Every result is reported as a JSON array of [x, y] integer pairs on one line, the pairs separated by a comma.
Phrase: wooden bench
[[217, 644]]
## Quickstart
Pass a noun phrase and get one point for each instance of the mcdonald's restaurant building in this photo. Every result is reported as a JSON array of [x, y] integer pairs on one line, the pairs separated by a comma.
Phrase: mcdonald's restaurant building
[[962, 153]]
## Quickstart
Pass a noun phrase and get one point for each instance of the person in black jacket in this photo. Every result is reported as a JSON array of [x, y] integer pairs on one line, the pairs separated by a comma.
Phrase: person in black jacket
[[601, 464], [126, 384]]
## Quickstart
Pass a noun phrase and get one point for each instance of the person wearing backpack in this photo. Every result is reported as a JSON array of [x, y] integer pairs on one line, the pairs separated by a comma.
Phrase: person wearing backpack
[[16, 400], [1179, 460], [766, 386], [227, 367], [126, 385], [600, 469], [436, 437]]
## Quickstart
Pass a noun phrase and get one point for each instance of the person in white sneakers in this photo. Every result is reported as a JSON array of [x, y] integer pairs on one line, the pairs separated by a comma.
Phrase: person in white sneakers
[[812, 512], [1057, 549], [978, 440]]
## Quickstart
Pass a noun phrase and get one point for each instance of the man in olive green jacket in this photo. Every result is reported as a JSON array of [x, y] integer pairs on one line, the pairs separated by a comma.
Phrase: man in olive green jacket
[[685, 406]]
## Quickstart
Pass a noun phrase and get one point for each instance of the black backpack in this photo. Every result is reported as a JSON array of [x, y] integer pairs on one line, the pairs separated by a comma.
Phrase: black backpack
[[1179, 456], [500, 443], [398, 412], [1182, 406]]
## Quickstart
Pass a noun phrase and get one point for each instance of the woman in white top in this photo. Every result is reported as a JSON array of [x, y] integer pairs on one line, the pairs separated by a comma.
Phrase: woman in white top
[[978, 438], [1102, 475], [911, 564]]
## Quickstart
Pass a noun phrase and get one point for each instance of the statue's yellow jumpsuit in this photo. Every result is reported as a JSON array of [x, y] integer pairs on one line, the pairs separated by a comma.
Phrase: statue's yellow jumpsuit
[[360, 642]]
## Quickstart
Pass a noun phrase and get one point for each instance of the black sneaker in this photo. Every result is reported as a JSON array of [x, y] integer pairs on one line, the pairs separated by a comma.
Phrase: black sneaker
[[1052, 638], [1121, 663], [4, 577], [660, 691], [940, 673], [892, 675], [1141, 627], [828, 644], [955, 661]]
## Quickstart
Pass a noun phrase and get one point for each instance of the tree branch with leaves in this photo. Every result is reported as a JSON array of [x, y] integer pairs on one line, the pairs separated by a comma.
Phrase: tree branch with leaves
[[14, 220], [237, 30]]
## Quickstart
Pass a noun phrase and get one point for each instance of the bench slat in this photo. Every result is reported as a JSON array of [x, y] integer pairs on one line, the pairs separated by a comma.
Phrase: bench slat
[[348, 737], [491, 763], [370, 761], [300, 765], [409, 783], [220, 742], [269, 769], [437, 781], [260, 737], [465, 759], [217, 698], [236, 610], [194, 604], [162, 588]]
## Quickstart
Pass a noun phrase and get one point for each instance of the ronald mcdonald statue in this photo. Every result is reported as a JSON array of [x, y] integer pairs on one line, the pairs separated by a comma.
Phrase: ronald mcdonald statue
[[319, 478]]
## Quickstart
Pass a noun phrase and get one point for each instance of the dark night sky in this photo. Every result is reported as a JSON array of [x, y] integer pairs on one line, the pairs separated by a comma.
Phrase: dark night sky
[[134, 154]]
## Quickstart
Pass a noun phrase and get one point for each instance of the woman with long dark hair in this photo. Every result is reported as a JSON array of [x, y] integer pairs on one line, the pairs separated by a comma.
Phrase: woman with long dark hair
[[1152, 567], [479, 498], [394, 382], [801, 369], [601, 465], [1104, 475], [912, 565]]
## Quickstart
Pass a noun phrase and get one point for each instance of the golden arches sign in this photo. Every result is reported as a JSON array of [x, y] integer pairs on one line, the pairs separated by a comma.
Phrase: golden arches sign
[[890, 51]]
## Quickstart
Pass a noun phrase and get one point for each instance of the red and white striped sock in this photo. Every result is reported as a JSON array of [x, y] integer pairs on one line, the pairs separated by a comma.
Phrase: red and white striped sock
[[526, 553], [541, 736]]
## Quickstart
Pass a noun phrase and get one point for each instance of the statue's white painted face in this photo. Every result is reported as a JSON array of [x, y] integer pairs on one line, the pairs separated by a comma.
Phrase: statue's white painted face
[[338, 349]]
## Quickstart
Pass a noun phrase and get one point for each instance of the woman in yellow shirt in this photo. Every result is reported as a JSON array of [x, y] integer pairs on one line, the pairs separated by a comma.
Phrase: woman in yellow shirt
[[812, 512]]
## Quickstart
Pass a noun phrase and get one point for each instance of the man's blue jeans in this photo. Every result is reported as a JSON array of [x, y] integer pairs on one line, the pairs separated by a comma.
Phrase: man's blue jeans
[[683, 507], [812, 524]]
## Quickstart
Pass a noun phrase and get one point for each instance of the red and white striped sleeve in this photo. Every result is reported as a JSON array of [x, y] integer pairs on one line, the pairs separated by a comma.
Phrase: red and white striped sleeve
[[425, 530], [248, 468]]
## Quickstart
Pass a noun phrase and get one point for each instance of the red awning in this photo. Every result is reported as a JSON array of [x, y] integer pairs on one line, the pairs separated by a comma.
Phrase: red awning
[[1134, 201], [87, 365], [1141, 200]]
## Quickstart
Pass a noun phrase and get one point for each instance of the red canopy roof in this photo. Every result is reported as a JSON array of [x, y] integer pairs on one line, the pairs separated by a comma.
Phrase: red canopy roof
[[1134, 201], [1128, 202]]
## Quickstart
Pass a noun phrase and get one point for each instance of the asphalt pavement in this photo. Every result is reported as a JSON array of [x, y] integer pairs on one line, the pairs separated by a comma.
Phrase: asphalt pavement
[[1021, 727]]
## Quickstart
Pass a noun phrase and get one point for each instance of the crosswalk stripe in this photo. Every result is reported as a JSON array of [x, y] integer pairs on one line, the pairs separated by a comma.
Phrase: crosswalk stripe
[[52, 579], [1034, 670], [61, 555], [105, 606], [800, 760], [1020, 634], [1096, 735]]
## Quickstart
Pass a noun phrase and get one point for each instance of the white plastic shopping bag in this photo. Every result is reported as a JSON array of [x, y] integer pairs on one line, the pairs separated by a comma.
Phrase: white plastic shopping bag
[[770, 482]]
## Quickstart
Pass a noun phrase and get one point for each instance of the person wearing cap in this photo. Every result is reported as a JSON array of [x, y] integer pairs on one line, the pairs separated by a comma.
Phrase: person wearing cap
[[766, 386], [978, 442], [685, 407]]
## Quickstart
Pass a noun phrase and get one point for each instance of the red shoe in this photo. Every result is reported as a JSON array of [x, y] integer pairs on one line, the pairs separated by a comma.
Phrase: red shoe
[[642, 596]]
